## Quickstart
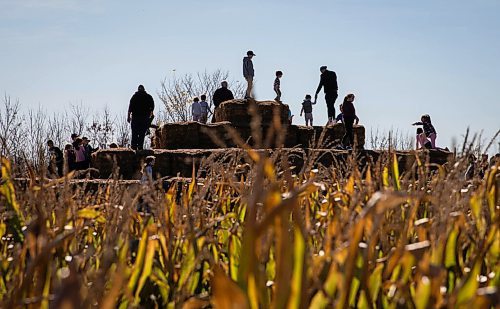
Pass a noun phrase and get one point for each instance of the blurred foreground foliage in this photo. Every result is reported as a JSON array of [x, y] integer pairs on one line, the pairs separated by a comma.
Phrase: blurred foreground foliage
[[265, 238]]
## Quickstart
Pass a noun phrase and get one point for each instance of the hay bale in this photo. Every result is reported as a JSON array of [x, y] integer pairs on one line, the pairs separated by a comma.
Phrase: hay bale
[[238, 112]]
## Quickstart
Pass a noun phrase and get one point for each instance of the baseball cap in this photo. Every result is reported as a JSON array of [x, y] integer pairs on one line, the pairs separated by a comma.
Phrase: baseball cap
[[322, 67], [250, 53]]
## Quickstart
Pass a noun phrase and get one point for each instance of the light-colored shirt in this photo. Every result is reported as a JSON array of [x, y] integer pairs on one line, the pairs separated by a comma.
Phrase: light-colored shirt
[[147, 174], [204, 108], [196, 109]]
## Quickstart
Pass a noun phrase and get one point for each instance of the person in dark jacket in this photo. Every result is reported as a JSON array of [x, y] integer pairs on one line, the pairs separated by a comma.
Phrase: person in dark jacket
[[221, 95], [56, 162], [349, 115], [140, 111], [328, 82], [248, 72]]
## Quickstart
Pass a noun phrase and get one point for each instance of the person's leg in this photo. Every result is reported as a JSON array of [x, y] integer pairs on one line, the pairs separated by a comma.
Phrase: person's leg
[[249, 87], [432, 137], [133, 142], [143, 127], [348, 139], [330, 104]]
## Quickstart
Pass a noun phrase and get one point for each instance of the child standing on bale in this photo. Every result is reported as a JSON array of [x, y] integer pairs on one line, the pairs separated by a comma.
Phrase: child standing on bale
[[204, 109], [196, 109], [277, 84], [307, 110], [349, 116], [429, 130]]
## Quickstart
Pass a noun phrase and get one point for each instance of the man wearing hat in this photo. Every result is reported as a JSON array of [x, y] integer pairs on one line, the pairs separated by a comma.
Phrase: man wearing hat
[[140, 112], [248, 72], [328, 81]]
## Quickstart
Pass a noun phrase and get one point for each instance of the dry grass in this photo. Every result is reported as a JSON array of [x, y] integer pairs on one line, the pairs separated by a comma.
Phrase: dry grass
[[256, 236]]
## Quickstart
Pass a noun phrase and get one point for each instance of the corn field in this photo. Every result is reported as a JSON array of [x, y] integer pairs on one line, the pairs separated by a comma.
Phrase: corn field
[[255, 235]]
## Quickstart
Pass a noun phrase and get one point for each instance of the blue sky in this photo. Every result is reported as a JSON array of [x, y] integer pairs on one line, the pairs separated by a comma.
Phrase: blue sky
[[401, 58]]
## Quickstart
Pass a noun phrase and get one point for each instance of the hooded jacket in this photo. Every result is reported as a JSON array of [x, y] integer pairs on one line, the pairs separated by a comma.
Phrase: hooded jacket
[[248, 67]]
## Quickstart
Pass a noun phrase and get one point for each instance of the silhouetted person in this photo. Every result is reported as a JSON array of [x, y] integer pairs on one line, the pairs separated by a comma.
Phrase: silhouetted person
[[88, 151], [56, 162], [349, 116], [277, 86], [248, 72], [140, 111], [69, 157], [328, 82], [221, 95]]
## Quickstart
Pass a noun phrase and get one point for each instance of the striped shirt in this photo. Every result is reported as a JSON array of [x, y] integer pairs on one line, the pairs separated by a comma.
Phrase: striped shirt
[[277, 83]]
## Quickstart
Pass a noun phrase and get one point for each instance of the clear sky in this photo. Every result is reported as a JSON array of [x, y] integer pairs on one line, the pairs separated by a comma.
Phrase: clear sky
[[401, 58]]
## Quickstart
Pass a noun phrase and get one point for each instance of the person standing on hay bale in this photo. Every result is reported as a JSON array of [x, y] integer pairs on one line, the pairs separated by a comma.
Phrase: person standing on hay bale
[[205, 109], [196, 109], [222, 94], [328, 82], [248, 72], [307, 110], [277, 85], [140, 112], [349, 116]]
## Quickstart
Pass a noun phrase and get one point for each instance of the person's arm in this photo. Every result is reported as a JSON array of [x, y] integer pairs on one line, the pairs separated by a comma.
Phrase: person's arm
[[357, 119], [319, 87], [246, 69], [418, 123], [152, 105], [301, 111], [231, 96], [129, 113]]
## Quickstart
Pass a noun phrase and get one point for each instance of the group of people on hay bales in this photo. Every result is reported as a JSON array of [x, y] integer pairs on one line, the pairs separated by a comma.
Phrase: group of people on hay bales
[[140, 116], [76, 155]]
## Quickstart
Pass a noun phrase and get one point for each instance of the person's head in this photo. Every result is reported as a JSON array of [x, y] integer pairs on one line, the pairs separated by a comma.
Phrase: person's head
[[349, 98], [150, 160], [224, 84], [196, 99], [77, 142], [341, 107], [279, 74], [113, 145], [308, 97], [420, 131], [203, 97], [85, 140], [484, 157], [322, 69], [74, 136], [50, 143], [141, 88], [68, 147], [426, 118], [250, 54]]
